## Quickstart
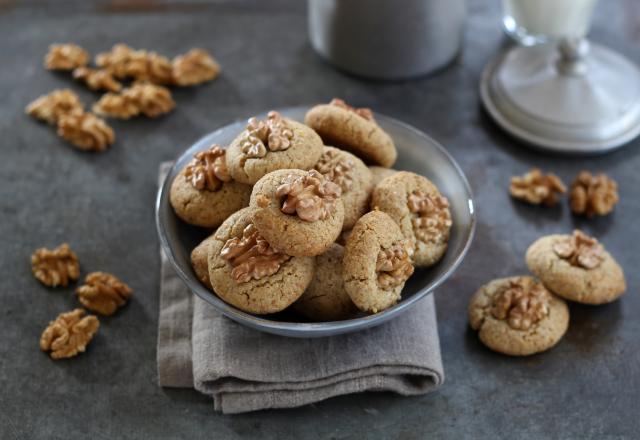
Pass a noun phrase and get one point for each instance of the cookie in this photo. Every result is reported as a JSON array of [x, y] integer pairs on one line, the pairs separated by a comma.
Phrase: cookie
[[199, 260], [422, 213], [246, 272], [376, 263], [379, 173], [354, 179], [325, 299], [518, 316], [576, 267], [354, 130], [274, 144], [298, 212], [204, 194]]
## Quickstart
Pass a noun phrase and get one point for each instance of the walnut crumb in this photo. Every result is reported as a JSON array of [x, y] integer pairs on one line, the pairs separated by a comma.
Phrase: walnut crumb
[[393, 265], [55, 267], [86, 131], [580, 250], [522, 303], [208, 169], [365, 113], [51, 107], [340, 173], [432, 218], [103, 293], [97, 79], [65, 57], [537, 188], [311, 196], [69, 334], [251, 256], [593, 194], [261, 137], [194, 67]]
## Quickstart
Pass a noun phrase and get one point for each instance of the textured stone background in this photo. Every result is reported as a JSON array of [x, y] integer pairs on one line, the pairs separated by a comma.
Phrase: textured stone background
[[103, 205]]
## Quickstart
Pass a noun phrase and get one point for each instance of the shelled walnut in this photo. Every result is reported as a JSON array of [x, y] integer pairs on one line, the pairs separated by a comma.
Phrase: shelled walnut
[[115, 105], [124, 62], [51, 107], [251, 256], [340, 173], [593, 195], [365, 113], [65, 57], [393, 266], [69, 334], [522, 304], [97, 79], [208, 169], [580, 250], [311, 196], [537, 188], [194, 67], [86, 131], [433, 220], [103, 293], [148, 99], [55, 267], [273, 134]]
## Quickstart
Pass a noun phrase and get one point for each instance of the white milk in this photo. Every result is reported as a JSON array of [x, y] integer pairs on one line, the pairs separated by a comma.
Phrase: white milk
[[551, 18]]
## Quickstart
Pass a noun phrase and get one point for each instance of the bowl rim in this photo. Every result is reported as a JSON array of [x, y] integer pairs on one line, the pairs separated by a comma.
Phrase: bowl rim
[[311, 329]]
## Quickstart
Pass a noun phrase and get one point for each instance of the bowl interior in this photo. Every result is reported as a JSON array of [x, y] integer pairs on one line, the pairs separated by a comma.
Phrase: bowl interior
[[416, 152]]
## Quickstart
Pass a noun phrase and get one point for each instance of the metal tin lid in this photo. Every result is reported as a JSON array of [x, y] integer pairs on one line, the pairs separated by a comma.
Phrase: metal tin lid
[[569, 98]]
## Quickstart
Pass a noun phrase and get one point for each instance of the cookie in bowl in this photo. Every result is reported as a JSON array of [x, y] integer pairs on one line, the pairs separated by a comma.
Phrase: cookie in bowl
[[576, 267], [518, 316], [376, 263], [204, 193], [380, 173], [273, 144], [200, 262], [248, 273], [352, 129], [298, 212], [354, 178], [422, 213]]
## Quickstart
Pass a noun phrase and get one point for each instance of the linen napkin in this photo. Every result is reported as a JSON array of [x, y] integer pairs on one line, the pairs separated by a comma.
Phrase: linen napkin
[[247, 370]]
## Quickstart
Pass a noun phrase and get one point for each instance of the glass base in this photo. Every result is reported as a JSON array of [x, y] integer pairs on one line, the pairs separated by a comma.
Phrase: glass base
[[520, 34]]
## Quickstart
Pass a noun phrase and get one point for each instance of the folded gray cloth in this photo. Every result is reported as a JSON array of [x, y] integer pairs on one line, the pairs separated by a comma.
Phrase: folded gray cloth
[[246, 370]]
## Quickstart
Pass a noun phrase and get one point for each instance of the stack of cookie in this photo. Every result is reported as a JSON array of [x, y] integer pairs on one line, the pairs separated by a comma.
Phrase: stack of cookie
[[301, 219], [521, 316]]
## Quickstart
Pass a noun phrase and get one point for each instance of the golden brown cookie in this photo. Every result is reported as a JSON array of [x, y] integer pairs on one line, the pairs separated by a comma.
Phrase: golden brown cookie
[[298, 212], [379, 173], [199, 260], [204, 194], [354, 179], [376, 263], [246, 272], [518, 316], [325, 299], [273, 144], [422, 213], [352, 129], [576, 267]]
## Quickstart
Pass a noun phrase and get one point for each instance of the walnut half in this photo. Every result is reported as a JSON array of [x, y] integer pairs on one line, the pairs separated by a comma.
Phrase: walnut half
[[208, 169], [69, 334], [593, 195], [55, 267], [432, 220], [251, 256], [261, 137], [97, 79], [393, 265], [86, 131], [311, 196], [194, 67], [580, 250], [51, 107], [340, 172], [537, 188], [65, 57], [523, 303], [103, 293]]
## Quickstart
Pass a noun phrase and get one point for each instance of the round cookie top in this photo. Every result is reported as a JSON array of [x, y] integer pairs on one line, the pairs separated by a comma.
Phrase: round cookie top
[[354, 179], [298, 212], [246, 272], [353, 129], [422, 213], [376, 263], [576, 267], [273, 144], [518, 316], [204, 194], [325, 299], [199, 260]]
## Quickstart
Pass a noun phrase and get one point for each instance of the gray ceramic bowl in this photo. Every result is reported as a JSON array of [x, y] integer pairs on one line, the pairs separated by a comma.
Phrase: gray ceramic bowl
[[416, 152]]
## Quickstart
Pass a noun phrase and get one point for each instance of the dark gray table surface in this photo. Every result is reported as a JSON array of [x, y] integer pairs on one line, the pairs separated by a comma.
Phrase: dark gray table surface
[[102, 204]]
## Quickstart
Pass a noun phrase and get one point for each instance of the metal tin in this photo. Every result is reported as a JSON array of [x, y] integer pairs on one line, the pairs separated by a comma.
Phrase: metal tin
[[416, 152], [569, 98], [387, 39]]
